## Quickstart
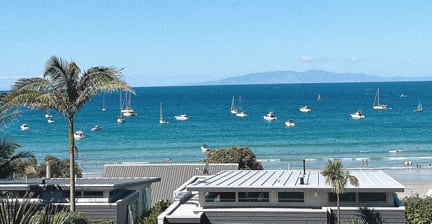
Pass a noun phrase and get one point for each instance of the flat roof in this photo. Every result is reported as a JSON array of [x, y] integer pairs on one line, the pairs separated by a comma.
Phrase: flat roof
[[284, 180], [80, 183]]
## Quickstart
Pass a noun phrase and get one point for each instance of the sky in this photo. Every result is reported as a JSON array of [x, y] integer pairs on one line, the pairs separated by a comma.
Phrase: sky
[[161, 43]]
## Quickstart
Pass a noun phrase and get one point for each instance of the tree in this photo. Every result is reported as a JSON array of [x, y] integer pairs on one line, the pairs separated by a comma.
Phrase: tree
[[337, 177], [237, 154], [8, 158], [63, 88]]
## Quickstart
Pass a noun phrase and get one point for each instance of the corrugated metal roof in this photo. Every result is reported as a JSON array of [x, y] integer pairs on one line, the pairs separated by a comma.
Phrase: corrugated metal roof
[[290, 179], [173, 175]]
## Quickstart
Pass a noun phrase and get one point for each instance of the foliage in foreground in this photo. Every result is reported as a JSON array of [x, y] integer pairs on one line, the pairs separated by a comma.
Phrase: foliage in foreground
[[418, 209], [31, 169], [151, 216], [26, 211], [244, 156]]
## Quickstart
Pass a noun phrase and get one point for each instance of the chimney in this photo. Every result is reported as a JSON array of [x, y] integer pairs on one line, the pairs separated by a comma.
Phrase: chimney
[[48, 169]]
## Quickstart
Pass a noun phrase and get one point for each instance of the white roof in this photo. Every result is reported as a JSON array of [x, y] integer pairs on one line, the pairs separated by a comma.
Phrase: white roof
[[284, 180]]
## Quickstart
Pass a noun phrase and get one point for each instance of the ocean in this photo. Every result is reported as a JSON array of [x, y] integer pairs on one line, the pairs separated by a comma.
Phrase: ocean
[[384, 139]]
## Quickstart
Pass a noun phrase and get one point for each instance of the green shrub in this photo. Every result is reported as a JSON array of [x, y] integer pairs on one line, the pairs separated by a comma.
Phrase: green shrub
[[418, 210], [77, 218], [244, 156], [151, 216]]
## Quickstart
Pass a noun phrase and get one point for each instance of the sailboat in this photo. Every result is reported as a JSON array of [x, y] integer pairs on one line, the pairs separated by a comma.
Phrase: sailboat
[[128, 111], [161, 119], [120, 118], [233, 109], [376, 104], [241, 113], [419, 107], [319, 97], [103, 105]]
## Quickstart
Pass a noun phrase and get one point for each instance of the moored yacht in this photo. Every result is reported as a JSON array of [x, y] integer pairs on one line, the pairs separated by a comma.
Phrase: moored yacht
[[290, 123], [269, 116], [95, 128], [357, 115], [79, 134], [241, 114], [181, 117], [305, 109], [24, 127]]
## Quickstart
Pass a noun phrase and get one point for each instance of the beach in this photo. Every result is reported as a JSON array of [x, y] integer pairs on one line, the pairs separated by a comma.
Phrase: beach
[[416, 180]]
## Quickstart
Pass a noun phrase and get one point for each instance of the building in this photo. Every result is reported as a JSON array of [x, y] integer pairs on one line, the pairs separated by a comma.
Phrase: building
[[284, 196], [172, 175], [119, 200]]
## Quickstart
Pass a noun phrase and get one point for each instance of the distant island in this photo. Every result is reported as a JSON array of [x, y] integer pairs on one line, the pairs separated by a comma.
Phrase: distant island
[[311, 76]]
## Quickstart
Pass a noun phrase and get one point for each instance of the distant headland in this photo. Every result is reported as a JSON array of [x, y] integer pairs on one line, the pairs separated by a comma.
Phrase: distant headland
[[311, 76]]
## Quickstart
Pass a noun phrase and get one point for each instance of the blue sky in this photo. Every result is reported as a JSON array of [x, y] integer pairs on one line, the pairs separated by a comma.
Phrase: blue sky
[[172, 42]]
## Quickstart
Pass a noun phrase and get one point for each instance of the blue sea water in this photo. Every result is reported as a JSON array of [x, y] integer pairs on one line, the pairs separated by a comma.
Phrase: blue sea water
[[326, 132]]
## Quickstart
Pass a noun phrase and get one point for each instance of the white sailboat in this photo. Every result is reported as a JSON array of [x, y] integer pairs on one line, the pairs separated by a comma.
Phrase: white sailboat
[[377, 105], [103, 105], [128, 111], [161, 119], [241, 113], [357, 115], [120, 118], [233, 109], [419, 107]]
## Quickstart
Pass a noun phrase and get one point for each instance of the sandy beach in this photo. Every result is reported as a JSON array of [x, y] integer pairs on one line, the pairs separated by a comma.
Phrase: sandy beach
[[415, 180]]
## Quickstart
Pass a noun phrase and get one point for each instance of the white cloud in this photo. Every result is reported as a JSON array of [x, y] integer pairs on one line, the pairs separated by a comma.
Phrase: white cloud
[[306, 59]]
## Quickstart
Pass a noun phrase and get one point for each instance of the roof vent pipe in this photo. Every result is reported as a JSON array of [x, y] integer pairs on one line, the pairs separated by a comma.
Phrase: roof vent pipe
[[48, 169], [304, 167]]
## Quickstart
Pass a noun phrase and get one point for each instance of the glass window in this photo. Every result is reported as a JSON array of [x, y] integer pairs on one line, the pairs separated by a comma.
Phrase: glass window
[[291, 196], [220, 197], [345, 197], [253, 196], [372, 197]]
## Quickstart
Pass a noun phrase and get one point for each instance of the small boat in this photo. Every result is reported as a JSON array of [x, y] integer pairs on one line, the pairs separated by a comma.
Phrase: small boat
[[50, 120], [270, 116], [205, 148], [377, 105], [181, 117], [419, 107], [79, 134], [357, 115], [161, 119], [403, 95], [305, 109], [233, 109], [120, 119], [95, 128], [290, 123], [319, 97], [241, 114], [24, 127], [48, 115]]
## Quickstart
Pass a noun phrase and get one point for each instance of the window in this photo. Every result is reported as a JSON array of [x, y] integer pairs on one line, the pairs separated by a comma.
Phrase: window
[[372, 197], [93, 194], [345, 197], [220, 196], [253, 196], [291, 196]]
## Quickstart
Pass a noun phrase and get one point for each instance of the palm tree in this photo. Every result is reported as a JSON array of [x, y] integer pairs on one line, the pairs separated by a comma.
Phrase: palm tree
[[63, 88], [337, 177], [7, 156]]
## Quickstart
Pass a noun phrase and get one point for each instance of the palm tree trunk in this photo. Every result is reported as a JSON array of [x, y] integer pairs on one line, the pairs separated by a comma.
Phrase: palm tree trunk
[[71, 164], [338, 209]]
